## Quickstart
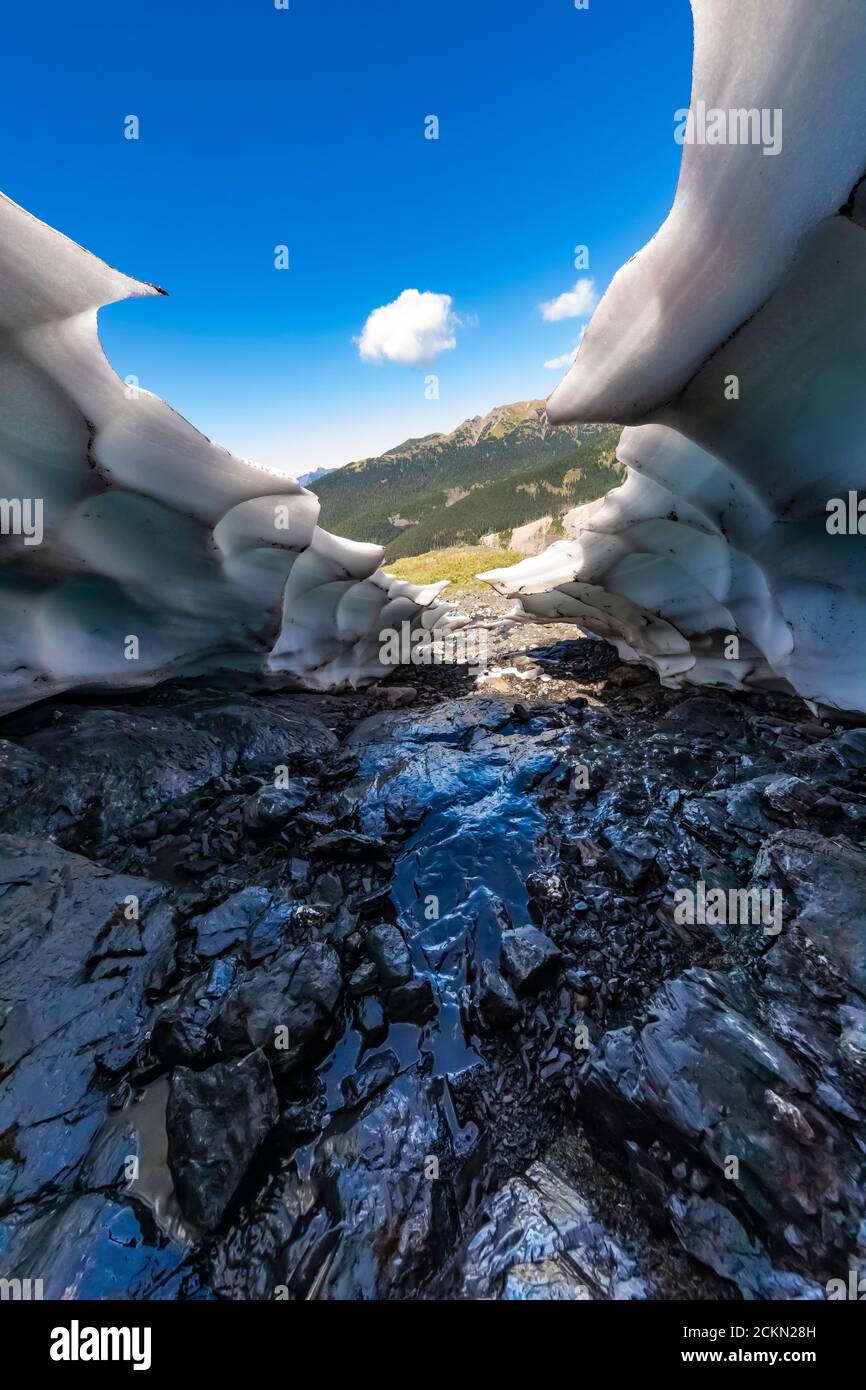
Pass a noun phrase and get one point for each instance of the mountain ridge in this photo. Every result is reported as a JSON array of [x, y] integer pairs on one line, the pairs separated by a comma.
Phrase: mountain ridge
[[490, 474]]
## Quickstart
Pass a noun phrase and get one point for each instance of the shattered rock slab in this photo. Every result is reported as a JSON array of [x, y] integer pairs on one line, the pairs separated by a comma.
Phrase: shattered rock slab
[[365, 1216], [540, 1239], [705, 1077], [80, 950]]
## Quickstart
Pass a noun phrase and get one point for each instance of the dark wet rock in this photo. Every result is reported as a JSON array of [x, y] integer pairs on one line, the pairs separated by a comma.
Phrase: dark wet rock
[[790, 1117], [390, 954], [300, 873], [852, 1043], [252, 914], [193, 902], [462, 875], [261, 736], [116, 1142], [826, 883], [277, 923], [529, 958], [338, 769], [315, 822], [216, 1120], [803, 993], [850, 748], [744, 808], [404, 812], [413, 1002], [145, 830], [371, 1076], [364, 980], [452, 722], [301, 1119], [287, 1007], [41, 1156], [790, 796], [633, 859], [347, 846], [713, 1235], [495, 1000], [706, 1075], [547, 888], [22, 772], [376, 906], [64, 918], [705, 715], [421, 758], [271, 808], [371, 1021], [539, 1239], [345, 935], [369, 1222], [109, 768], [182, 1033], [76, 975], [329, 889], [92, 1247], [174, 820], [708, 819]]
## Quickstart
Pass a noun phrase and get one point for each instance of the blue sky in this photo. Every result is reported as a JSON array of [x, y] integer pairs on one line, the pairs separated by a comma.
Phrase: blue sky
[[305, 127]]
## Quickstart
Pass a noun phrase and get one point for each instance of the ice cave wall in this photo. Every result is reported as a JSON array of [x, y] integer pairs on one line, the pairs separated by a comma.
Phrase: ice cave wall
[[734, 346], [132, 547]]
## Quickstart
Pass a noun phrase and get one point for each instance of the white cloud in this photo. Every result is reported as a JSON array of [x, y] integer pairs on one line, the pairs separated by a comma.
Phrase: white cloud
[[412, 329], [557, 363], [574, 304]]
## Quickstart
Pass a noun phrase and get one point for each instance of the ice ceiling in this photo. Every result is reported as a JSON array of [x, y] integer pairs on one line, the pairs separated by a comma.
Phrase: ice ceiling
[[734, 347], [133, 548]]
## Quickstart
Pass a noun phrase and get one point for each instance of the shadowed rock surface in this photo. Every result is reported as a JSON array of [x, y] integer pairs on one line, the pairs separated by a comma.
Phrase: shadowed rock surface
[[216, 1120]]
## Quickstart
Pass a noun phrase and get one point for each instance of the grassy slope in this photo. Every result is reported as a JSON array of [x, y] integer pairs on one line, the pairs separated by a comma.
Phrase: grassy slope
[[458, 564]]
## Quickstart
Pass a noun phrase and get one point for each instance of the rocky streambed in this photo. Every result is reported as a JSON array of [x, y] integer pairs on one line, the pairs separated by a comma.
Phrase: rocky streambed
[[388, 995]]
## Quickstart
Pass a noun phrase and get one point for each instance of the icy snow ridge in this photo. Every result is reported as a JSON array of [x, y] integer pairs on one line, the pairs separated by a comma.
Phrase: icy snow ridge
[[735, 343], [133, 548]]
